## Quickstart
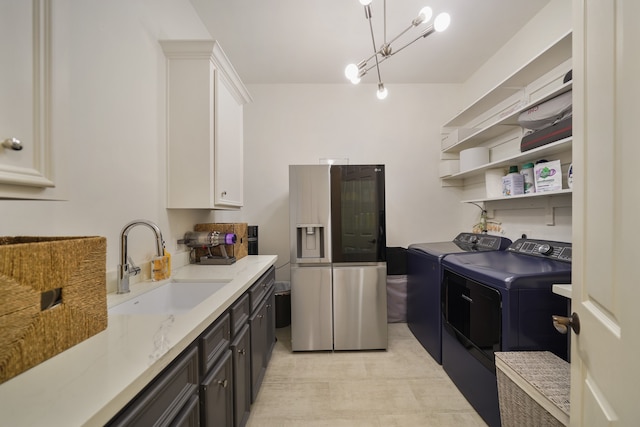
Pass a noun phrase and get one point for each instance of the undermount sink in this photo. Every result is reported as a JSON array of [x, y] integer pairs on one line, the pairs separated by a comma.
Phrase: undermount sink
[[172, 298]]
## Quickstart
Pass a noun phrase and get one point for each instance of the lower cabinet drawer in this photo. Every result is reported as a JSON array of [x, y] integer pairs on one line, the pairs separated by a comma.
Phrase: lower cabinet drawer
[[213, 342], [259, 289], [216, 394], [164, 400], [240, 312]]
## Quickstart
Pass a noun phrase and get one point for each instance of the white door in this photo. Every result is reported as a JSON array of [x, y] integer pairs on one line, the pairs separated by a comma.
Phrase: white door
[[605, 368]]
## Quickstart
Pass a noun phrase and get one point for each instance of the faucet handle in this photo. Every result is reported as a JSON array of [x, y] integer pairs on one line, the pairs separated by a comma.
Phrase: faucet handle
[[133, 269]]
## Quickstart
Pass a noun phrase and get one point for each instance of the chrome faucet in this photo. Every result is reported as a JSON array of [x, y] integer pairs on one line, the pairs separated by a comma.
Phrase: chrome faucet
[[127, 268]]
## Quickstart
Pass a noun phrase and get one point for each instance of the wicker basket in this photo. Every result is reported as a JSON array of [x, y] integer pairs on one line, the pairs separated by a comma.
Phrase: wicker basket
[[53, 296], [533, 389]]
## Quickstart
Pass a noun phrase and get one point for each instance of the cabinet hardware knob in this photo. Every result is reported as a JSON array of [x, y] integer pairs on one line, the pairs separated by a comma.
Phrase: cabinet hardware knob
[[260, 316], [12, 143], [242, 351], [562, 324], [223, 383], [224, 193]]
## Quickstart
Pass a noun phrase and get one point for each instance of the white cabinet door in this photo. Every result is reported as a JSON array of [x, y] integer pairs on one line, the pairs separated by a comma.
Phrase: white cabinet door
[[229, 146], [604, 355], [205, 100], [25, 167]]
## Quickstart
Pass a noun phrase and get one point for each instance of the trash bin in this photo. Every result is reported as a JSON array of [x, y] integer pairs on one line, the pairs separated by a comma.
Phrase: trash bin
[[282, 292], [396, 285]]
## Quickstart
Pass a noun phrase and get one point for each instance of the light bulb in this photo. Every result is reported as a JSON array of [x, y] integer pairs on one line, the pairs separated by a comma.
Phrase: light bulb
[[365, 2], [382, 91], [426, 13], [355, 80], [351, 71], [442, 22]]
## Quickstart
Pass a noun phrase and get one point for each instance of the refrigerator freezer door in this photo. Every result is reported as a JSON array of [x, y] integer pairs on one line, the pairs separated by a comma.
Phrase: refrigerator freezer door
[[311, 312], [310, 214], [360, 306]]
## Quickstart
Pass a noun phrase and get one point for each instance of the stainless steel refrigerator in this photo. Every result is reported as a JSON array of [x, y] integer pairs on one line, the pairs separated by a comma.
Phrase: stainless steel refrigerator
[[338, 268]]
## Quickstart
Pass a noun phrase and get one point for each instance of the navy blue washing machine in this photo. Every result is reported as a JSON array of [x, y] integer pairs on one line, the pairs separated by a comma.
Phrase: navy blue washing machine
[[424, 275], [500, 301]]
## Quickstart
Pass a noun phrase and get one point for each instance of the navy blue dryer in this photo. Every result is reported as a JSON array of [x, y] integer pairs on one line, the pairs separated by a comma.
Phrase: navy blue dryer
[[500, 301], [424, 275]]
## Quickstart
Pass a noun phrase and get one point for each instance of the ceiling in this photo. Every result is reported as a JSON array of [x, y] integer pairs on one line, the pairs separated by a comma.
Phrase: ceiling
[[306, 41]]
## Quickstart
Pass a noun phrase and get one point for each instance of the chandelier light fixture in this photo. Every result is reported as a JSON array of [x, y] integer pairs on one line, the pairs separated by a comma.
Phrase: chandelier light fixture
[[355, 72]]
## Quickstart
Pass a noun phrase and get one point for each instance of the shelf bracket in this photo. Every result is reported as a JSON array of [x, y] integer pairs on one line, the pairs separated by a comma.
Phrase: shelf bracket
[[451, 182], [550, 211]]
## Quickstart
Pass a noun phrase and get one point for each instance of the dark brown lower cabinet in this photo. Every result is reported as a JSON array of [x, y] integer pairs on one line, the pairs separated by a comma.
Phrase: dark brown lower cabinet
[[216, 394], [190, 415], [241, 350], [258, 322], [168, 399], [216, 379], [271, 325]]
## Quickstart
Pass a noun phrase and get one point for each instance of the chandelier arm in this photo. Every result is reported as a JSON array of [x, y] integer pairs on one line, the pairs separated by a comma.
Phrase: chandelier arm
[[384, 5], [424, 34], [380, 61], [401, 34], [373, 40]]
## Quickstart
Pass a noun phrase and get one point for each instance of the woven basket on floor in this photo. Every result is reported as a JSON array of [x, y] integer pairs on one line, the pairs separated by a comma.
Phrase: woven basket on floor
[[517, 409], [52, 296], [546, 377]]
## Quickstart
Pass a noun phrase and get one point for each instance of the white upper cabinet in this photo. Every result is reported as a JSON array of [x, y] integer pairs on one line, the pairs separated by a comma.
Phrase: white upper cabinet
[[205, 100], [25, 150]]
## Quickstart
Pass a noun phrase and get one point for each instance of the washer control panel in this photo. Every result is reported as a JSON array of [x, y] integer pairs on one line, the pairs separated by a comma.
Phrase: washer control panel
[[481, 242], [559, 251]]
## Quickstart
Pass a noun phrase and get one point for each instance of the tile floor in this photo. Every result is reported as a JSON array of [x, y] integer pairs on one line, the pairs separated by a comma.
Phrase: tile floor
[[400, 387]]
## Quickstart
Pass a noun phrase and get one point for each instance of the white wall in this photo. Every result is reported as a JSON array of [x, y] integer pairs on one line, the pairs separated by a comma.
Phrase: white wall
[[109, 125], [109, 134], [299, 124], [532, 217], [548, 26]]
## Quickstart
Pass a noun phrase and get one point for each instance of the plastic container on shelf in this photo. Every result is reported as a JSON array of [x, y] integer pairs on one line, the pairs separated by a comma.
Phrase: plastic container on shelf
[[493, 182], [529, 178], [513, 182]]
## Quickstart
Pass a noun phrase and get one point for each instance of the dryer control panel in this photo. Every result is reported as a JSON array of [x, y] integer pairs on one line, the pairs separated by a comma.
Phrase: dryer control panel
[[558, 251]]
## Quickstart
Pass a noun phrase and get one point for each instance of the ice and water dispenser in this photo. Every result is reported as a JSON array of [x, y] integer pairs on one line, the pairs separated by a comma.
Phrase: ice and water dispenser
[[310, 241]]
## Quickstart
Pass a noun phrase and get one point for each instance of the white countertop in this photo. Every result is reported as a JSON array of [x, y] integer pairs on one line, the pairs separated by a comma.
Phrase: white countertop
[[564, 290], [90, 382]]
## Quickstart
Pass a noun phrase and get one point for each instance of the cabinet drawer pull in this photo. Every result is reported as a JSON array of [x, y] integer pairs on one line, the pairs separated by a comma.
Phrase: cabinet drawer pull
[[223, 383]]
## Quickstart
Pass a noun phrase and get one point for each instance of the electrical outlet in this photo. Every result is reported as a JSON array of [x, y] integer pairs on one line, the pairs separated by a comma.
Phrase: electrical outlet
[[525, 234]]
